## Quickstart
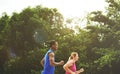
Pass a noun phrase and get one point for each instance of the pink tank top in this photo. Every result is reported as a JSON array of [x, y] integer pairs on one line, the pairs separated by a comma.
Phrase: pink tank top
[[73, 68]]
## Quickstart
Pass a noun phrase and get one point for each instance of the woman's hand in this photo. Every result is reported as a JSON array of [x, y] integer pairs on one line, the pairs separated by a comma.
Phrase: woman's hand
[[81, 70]]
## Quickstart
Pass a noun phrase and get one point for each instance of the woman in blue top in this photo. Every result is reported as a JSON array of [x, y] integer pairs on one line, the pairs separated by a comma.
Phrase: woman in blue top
[[48, 62]]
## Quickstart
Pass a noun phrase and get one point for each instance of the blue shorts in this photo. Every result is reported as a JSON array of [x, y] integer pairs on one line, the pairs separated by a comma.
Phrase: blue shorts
[[45, 72]]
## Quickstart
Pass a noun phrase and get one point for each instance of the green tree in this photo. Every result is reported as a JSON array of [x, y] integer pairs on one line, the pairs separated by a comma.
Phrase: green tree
[[3, 50], [107, 31], [23, 42]]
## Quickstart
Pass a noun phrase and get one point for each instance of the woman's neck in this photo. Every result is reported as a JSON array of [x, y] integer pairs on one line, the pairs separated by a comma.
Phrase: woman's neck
[[73, 60]]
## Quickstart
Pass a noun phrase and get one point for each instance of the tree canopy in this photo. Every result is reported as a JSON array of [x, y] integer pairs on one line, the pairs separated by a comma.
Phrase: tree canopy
[[24, 40]]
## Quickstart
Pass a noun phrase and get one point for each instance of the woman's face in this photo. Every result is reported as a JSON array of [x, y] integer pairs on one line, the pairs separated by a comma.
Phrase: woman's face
[[76, 57]]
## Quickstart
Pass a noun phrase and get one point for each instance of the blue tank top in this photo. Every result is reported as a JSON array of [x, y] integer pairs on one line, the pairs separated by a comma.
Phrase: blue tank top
[[48, 69]]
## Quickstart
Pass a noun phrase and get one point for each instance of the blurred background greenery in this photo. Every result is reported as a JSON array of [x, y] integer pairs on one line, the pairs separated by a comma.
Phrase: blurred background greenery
[[24, 40]]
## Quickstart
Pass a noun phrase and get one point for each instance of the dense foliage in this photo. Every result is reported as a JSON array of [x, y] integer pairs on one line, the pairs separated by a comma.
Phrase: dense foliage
[[24, 40]]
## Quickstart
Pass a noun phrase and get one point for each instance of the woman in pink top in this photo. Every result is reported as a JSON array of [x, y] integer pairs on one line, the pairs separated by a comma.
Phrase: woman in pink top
[[70, 66]]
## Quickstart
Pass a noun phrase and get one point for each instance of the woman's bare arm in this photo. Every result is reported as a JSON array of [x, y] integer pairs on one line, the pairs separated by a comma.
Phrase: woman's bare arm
[[80, 71], [67, 65]]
